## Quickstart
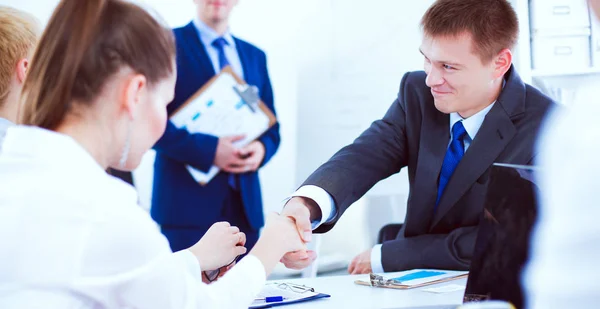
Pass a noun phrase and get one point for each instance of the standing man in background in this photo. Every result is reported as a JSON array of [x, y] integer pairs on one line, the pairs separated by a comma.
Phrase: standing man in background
[[183, 208], [19, 33]]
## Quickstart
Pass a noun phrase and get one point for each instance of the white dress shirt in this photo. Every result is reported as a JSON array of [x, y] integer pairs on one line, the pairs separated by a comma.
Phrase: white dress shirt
[[4, 125], [207, 36], [74, 237], [327, 205], [562, 272]]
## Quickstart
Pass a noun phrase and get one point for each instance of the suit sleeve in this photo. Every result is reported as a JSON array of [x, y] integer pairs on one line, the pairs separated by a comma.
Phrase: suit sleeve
[[270, 139], [376, 154], [445, 251], [197, 150]]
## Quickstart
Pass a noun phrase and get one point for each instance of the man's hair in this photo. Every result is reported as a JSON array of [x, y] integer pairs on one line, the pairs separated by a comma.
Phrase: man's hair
[[19, 33], [492, 24]]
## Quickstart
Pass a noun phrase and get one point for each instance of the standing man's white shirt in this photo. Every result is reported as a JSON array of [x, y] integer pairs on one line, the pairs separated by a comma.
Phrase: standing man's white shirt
[[207, 36], [327, 204], [566, 240], [74, 237]]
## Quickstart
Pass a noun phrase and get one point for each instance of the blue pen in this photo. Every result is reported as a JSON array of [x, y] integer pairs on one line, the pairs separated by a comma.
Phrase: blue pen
[[271, 299]]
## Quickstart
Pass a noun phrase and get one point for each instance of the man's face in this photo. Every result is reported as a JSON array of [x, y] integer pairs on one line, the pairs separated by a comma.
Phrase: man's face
[[458, 79], [215, 10]]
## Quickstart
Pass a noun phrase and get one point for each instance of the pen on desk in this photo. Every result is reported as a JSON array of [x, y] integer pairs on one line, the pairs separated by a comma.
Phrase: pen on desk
[[271, 299]]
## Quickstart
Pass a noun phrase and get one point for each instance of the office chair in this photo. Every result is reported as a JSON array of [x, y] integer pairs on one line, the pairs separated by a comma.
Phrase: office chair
[[388, 232]]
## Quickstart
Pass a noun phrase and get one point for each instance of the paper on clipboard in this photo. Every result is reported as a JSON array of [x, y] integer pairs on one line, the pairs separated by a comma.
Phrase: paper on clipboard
[[414, 279], [292, 295], [218, 109]]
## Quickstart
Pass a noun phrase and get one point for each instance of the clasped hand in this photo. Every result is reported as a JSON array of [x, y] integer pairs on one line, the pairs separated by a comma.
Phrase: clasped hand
[[232, 159], [298, 209]]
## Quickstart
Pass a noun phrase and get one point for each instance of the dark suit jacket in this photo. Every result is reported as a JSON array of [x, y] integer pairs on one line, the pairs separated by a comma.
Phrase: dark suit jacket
[[177, 199], [415, 134]]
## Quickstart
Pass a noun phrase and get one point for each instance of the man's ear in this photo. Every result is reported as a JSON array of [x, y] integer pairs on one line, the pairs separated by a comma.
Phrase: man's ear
[[132, 96], [22, 67], [502, 63]]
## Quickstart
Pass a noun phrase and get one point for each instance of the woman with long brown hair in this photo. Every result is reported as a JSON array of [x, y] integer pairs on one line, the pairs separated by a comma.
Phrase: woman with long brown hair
[[73, 236]]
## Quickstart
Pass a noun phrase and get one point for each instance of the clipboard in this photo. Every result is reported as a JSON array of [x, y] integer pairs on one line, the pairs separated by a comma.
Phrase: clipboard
[[293, 294], [225, 105], [416, 278]]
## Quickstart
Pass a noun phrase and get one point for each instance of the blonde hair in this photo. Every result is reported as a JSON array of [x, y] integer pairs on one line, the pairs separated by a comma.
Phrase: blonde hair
[[19, 32]]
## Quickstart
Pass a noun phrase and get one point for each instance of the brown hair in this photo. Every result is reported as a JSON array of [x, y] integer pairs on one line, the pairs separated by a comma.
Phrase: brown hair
[[493, 24], [18, 35], [84, 44]]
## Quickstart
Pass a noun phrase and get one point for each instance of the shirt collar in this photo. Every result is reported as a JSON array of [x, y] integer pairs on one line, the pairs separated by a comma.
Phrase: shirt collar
[[473, 123], [5, 123], [208, 34]]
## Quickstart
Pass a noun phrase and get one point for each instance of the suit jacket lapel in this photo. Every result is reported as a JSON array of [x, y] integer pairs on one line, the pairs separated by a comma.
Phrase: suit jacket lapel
[[494, 135], [434, 142], [243, 60], [193, 36]]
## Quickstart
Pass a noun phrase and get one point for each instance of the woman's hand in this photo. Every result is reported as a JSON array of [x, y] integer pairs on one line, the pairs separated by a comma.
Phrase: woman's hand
[[221, 244]]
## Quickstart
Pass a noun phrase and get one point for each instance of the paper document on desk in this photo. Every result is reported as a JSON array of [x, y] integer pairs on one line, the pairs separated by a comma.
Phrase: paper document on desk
[[413, 278], [445, 289], [291, 294], [218, 109]]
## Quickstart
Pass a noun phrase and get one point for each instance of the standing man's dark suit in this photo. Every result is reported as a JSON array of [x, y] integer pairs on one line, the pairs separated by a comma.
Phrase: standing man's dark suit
[[184, 209], [415, 134]]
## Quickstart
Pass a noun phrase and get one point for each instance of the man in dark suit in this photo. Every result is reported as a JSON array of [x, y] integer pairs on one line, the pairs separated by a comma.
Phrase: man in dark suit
[[448, 125], [184, 209]]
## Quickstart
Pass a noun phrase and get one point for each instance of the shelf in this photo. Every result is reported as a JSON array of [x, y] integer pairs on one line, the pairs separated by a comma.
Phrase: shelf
[[559, 73]]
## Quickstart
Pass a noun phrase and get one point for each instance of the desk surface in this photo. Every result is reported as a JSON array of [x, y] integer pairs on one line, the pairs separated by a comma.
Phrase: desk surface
[[345, 294]]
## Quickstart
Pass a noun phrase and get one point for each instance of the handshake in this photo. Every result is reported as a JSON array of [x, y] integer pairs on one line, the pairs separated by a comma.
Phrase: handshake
[[283, 238]]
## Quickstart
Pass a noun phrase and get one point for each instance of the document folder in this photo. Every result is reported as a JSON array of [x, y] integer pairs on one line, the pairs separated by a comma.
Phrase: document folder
[[289, 292], [224, 106], [413, 279]]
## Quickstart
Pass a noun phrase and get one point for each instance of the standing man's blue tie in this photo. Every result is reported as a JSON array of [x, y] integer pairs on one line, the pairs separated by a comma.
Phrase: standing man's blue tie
[[219, 44], [455, 152]]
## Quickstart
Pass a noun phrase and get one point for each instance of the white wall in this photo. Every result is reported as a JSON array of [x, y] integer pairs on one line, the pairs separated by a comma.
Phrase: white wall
[[353, 60]]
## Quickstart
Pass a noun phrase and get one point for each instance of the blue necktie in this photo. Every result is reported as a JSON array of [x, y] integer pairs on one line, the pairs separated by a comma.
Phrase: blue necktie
[[219, 43], [455, 152]]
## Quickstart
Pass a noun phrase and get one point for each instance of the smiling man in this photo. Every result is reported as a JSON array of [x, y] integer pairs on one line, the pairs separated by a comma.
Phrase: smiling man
[[448, 125]]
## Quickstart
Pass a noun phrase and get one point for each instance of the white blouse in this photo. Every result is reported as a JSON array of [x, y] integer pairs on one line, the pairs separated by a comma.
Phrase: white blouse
[[4, 125], [75, 237]]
